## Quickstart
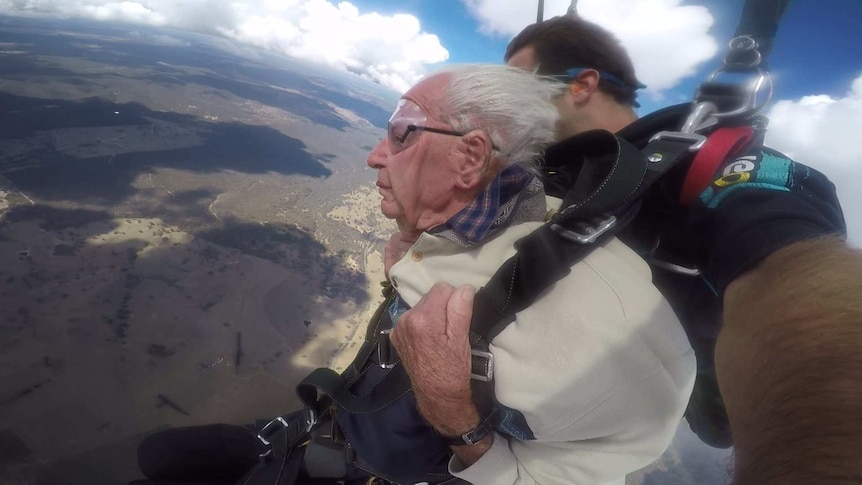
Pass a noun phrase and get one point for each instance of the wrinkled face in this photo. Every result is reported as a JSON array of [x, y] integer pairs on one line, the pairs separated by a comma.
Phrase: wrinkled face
[[417, 169]]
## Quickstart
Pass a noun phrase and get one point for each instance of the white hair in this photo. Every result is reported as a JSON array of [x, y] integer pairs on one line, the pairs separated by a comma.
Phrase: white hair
[[515, 108]]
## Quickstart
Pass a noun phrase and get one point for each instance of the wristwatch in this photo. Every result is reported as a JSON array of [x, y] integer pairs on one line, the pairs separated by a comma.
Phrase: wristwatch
[[471, 437]]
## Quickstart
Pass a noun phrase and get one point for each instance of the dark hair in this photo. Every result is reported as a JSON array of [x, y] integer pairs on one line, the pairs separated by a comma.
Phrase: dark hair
[[562, 43]]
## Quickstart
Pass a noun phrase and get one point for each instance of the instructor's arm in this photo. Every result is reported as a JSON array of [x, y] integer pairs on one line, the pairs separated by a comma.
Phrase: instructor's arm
[[789, 364]]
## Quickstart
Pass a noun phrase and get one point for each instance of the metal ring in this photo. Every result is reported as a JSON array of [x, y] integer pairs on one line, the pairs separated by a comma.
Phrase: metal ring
[[743, 42]]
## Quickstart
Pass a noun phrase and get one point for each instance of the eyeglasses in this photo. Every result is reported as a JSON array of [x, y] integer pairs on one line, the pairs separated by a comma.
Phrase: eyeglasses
[[399, 142], [405, 124]]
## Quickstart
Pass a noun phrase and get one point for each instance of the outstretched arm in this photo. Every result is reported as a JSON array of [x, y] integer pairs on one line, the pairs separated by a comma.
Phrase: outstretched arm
[[789, 364]]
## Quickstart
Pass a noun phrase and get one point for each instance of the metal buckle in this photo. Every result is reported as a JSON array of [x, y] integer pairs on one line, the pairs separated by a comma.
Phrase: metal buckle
[[701, 117], [310, 419], [697, 141], [269, 429], [266, 432], [754, 89], [476, 434], [706, 114], [744, 43], [489, 367], [384, 354], [667, 265], [590, 234], [674, 268]]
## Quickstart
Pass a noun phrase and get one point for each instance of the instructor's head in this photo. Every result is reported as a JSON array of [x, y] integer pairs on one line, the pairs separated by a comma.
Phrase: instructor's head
[[452, 133], [600, 75]]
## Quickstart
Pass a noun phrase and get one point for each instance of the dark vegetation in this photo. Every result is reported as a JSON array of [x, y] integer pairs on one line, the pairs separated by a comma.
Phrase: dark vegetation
[[76, 197], [52, 175]]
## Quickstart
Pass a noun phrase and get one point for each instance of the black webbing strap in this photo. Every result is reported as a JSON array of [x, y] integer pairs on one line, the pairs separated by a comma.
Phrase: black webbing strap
[[372, 335], [611, 175], [332, 385], [759, 20], [324, 386], [545, 256]]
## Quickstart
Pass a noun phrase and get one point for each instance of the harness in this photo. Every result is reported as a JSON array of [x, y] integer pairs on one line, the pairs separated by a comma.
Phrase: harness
[[632, 185]]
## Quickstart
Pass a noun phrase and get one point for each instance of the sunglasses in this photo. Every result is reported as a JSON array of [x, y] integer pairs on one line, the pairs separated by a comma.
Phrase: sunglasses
[[573, 73]]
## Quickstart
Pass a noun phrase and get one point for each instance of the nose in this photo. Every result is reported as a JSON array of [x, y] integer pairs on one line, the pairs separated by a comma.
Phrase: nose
[[377, 158]]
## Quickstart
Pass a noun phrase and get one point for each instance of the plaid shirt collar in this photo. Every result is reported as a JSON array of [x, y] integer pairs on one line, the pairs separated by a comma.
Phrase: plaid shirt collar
[[490, 208]]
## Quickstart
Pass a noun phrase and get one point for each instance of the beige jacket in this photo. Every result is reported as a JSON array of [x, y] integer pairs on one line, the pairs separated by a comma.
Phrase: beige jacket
[[598, 365]]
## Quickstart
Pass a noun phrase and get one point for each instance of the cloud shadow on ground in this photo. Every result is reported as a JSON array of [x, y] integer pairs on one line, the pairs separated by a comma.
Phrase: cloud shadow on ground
[[50, 174]]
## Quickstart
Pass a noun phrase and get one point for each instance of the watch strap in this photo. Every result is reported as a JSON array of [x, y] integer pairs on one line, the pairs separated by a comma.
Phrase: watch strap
[[469, 438]]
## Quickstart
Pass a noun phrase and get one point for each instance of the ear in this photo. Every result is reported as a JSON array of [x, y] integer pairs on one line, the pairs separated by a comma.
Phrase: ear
[[583, 86], [475, 156]]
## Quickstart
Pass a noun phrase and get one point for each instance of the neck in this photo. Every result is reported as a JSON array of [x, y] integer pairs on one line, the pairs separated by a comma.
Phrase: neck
[[602, 113], [460, 199], [432, 218]]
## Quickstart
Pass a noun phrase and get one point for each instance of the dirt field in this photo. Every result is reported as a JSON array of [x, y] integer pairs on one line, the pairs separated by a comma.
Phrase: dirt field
[[117, 328]]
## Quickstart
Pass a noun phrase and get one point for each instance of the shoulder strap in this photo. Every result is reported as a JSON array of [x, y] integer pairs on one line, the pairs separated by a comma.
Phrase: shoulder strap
[[759, 22], [721, 145], [546, 255]]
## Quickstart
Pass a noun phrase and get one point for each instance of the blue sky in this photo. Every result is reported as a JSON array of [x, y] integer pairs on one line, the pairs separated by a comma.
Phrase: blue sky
[[818, 48]]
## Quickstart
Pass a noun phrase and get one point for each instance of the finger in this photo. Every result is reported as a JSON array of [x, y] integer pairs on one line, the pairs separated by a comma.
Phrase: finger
[[459, 311], [399, 342], [434, 302]]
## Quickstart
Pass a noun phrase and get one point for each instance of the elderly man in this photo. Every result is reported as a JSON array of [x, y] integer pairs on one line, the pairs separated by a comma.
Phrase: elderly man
[[593, 376], [597, 370]]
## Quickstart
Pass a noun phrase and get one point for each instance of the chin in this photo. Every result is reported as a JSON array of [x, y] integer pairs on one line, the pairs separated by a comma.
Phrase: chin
[[387, 213]]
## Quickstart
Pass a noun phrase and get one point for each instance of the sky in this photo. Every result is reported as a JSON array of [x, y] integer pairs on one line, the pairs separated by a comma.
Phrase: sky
[[675, 44]]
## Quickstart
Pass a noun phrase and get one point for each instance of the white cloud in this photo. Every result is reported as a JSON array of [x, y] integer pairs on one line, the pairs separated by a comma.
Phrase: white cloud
[[666, 40], [392, 50], [820, 131]]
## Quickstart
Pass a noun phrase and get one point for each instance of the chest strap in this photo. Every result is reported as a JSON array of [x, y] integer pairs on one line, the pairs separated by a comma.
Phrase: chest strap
[[605, 197]]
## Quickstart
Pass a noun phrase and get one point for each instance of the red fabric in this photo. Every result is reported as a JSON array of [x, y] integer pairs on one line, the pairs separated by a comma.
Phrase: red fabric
[[719, 146]]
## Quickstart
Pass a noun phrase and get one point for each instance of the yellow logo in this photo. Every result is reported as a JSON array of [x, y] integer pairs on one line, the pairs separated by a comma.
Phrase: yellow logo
[[733, 179]]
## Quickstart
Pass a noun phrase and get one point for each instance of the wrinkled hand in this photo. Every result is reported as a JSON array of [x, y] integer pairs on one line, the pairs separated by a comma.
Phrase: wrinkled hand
[[433, 343], [396, 247]]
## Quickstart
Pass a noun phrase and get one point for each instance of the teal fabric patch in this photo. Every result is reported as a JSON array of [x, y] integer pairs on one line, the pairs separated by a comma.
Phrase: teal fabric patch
[[769, 173], [724, 192], [774, 171], [707, 195]]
